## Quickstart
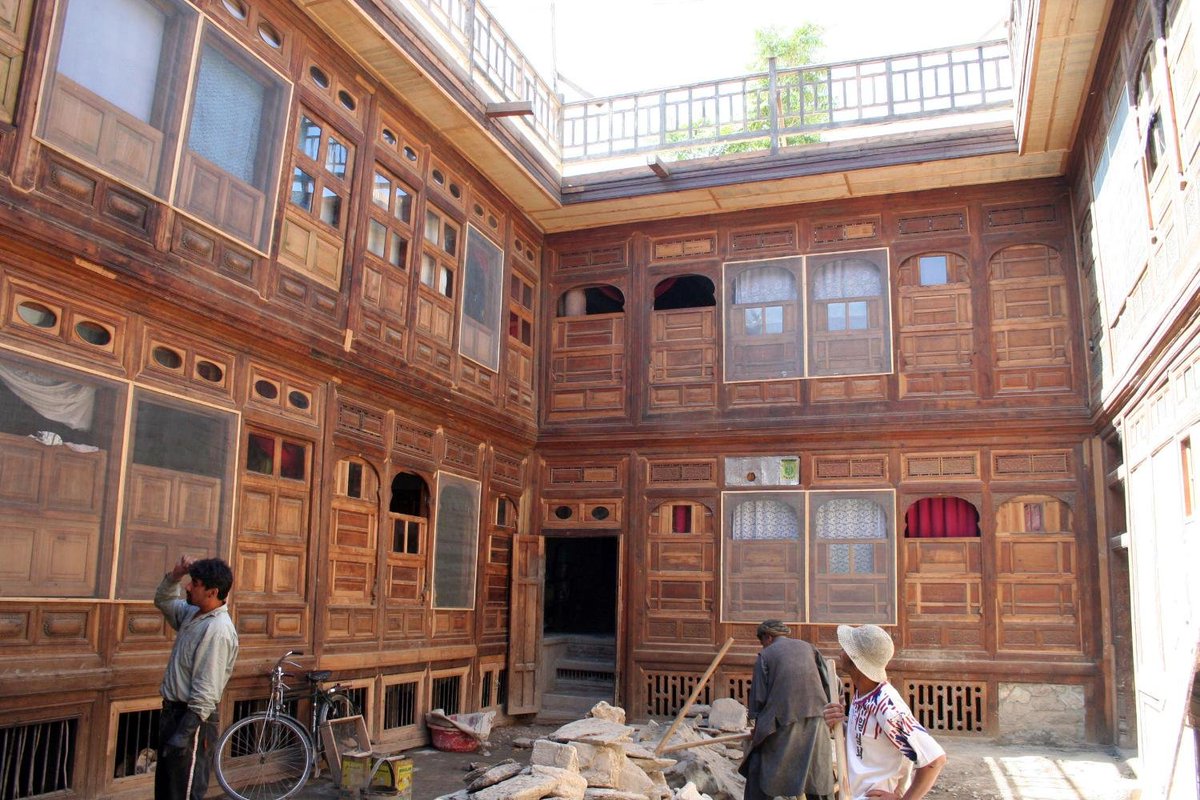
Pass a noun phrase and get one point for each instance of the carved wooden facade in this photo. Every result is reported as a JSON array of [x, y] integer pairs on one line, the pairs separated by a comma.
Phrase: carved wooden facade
[[346, 361]]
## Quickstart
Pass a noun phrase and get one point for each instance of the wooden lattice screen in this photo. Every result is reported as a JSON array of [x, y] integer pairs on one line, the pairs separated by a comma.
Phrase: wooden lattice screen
[[666, 692], [958, 707]]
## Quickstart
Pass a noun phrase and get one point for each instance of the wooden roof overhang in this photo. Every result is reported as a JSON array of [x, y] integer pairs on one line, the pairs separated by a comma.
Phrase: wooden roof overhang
[[1059, 49]]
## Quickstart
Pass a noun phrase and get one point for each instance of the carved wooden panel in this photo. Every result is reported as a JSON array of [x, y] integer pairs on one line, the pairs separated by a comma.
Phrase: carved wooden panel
[[1030, 335], [587, 370], [198, 244], [939, 466], [88, 330], [1006, 217], [849, 469], [937, 339], [310, 249], [863, 387], [49, 557], [413, 440], [683, 356], [14, 31], [1037, 592], [680, 573], [694, 246], [105, 198], [592, 258], [360, 421], [763, 393], [461, 453], [1031, 464], [932, 223], [350, 623], [44, 628], [943, 594], [168, 357], [591, 474], [269, 389], [218, 198], [601, 513], [297, 289], [681, 472], [782, 238], [104, 135], [838, 232], [508, 469]]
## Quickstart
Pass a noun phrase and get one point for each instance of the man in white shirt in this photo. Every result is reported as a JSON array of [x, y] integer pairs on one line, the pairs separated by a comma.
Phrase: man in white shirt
[[883, 737]]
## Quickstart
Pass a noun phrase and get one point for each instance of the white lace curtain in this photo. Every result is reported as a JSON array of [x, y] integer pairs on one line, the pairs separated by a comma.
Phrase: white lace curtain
[[850, 277], [764, 285], [765, 519], [71, 404], [851, 518]]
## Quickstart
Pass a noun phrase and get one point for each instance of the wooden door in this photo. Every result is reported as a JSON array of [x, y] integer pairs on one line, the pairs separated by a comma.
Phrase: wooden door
[[525, 628]]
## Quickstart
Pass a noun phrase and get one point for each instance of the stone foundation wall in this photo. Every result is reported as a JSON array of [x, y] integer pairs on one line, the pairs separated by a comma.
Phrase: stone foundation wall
[[1041, 713]]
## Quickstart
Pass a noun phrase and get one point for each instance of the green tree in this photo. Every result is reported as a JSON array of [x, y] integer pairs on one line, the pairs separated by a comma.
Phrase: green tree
[[793, 48]]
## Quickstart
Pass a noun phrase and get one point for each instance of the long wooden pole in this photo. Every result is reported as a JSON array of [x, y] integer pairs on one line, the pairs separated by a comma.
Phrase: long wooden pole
[[695, 693], [834, 687], [723, 739]]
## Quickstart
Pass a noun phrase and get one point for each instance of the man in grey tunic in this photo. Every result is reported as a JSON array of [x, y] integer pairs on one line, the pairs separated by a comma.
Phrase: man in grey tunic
[[790, 752], [206, 647]]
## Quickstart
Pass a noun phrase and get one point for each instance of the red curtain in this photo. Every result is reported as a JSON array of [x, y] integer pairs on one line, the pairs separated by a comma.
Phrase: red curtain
[[941, 517], [681, 519], [664, 287]]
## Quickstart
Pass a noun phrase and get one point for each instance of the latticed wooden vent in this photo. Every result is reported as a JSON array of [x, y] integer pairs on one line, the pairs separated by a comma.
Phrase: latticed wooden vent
[[737, 686], [1046, 463], [666, 692], [939, 466], [932, 223], [685, 248], [959, 707], [851, 230], [1021, 215], [667, 473]]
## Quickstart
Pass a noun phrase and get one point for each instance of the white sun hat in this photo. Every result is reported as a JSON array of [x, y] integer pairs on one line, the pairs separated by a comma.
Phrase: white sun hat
[[869, 647]]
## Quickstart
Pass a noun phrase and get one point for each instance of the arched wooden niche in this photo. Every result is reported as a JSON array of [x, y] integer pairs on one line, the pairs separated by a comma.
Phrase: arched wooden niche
[[684, 291], [583, 301], [943, 578]]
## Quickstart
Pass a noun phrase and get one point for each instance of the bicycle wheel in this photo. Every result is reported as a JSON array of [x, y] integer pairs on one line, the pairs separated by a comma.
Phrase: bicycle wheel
[[263, 759], [335, 706]]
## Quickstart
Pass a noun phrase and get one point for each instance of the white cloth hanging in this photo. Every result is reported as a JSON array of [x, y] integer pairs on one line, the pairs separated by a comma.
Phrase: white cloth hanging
[[72, 404]]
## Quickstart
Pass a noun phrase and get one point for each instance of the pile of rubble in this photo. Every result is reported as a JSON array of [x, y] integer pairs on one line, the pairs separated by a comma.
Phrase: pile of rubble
[[601, 758]]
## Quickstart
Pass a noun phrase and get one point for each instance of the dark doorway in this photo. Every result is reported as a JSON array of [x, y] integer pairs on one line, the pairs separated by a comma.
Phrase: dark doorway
[[581, 585]]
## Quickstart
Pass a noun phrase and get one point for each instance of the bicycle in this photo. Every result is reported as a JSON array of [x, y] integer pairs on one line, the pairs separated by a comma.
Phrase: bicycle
[[269, 755]]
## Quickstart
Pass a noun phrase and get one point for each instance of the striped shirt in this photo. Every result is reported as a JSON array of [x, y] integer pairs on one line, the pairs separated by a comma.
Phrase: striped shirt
[[204, 652]]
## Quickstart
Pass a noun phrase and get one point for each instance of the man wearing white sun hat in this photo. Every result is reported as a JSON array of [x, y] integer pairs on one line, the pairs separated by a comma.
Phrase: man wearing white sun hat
[[883, 737]]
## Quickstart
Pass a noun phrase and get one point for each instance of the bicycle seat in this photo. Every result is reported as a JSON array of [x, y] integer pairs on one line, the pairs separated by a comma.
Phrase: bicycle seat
[[319, 676]]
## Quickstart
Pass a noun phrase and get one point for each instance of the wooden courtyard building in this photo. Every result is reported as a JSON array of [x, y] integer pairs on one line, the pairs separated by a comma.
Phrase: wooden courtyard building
[[498, 401]]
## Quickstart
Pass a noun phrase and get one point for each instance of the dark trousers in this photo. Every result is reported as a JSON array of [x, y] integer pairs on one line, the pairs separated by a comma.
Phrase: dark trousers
[[183, 776]]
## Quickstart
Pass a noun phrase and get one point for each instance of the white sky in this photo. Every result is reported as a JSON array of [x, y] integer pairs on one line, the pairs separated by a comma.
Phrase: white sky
[[615, 46]]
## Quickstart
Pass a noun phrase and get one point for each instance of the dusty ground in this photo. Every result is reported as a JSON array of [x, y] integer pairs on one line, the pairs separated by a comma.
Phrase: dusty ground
[[977, 770]]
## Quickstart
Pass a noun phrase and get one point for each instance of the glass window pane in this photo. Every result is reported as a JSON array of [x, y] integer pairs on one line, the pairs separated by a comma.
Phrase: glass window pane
[[226, 115], [113, 48], [303, 187], [433, 228], [837, 316], [337, 158], [527, 296], [763, 571], [413, 539], [446, 285], [526, 332], [754, 322], [456, 542], [428, 268], [858, 315], [483, 300], [773, 319], [451, 245], [354, 479], [380, 190], [260, 454], [309, 138], [403, 208], [331, 207], [376, 238], [398, 252], [292, 461], [58, 430], [934, 271]]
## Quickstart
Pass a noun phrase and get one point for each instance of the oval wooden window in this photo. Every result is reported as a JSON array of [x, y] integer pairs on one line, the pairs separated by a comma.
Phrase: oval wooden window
[[267, 32], [389, 137], [563, 512], [299, 400], [209, 371], [318, 76], [93, 333], [236, 8], [599, 513], [266, 389], [166, 357], [347, 100], [410, 154], [36, 314]]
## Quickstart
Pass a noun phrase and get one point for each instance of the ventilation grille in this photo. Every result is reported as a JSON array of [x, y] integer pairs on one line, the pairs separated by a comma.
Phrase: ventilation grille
[[666, 692], [738, 687], [948, 706], [584, 675], [37, 759], [137, 738], [446, 693], [400, 705]]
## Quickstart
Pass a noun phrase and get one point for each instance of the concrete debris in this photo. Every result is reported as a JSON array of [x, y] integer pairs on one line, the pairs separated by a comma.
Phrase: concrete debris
[[601, 758]]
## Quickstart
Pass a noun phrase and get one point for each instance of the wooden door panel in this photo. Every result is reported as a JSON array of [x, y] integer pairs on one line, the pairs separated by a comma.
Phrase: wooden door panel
[[19, 536], [21, 469], [291, 517], [75, 482], [199, 505], [220, 199], [255, 511], [525, 632]]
